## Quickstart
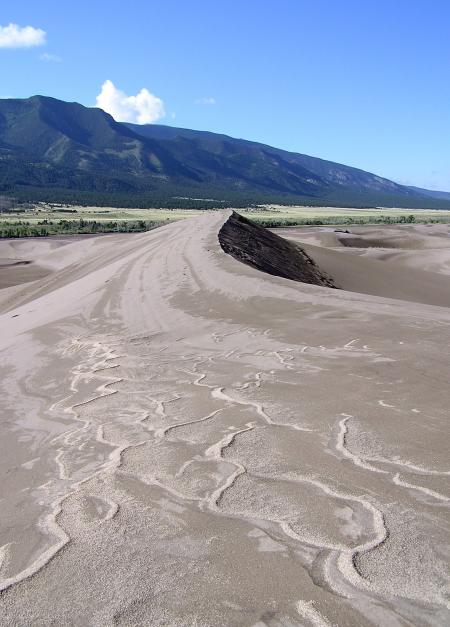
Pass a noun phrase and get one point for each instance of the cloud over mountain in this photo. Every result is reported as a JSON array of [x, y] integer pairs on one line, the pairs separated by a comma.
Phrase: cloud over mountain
[[143, 108]]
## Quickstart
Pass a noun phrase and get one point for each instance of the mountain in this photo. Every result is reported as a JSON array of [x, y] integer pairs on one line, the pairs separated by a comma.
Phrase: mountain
[[50, 150], [432, 193], [51, 143], [321, 175]]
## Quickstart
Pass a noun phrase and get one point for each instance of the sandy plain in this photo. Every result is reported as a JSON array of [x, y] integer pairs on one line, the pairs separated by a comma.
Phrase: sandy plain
[[186, 440]]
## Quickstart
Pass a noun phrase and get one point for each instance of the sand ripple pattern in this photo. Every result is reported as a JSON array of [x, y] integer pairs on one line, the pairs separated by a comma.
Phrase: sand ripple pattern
[[206, 466]]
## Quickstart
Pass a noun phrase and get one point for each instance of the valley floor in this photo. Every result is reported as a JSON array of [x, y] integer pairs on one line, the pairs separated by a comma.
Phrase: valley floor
[[47, 219]]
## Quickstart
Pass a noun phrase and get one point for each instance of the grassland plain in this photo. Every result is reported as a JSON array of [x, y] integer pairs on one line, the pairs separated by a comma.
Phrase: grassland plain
[[47, 219]]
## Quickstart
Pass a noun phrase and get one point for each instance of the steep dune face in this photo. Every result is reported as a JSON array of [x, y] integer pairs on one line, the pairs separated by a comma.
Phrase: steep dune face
[[191, 441], [260, 248]]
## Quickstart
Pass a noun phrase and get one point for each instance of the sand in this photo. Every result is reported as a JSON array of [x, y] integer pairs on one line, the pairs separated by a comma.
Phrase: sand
[[186, 440], [379, 261]]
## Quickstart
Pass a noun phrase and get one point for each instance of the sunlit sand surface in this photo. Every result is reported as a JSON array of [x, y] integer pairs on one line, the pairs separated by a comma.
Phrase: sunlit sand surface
[[188, 440]]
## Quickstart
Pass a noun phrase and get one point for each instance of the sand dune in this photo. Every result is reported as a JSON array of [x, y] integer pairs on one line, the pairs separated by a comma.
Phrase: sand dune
[[259, 248], [407, 263], [187, 440]]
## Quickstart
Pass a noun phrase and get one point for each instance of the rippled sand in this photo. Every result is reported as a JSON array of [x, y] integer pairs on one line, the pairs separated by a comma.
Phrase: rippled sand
[[185, 440]]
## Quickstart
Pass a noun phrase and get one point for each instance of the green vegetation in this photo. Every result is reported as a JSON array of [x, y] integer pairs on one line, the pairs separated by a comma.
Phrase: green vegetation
[[280, 216], [43, 228], [49, 219], [349, 220], [210, 197]]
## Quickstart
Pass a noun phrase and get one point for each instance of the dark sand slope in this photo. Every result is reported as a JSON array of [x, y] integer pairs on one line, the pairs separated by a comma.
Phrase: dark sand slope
[[186, 440], [260, 248]]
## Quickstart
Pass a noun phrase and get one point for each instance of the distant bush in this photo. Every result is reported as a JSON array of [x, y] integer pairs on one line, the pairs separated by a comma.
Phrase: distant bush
[[272, 223], [44, 228]]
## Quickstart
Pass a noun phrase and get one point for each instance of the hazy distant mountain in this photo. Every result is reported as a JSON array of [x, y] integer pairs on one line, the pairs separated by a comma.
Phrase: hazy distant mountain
[[49, 147], [432, 193]]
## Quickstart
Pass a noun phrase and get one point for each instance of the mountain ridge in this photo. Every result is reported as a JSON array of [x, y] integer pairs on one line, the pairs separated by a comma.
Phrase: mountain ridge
[[432, 193], [51, 148]]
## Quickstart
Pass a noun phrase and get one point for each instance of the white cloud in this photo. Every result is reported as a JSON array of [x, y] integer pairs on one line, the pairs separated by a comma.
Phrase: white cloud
[[51, 58], [15, 36], [206, 101], [143, 108]]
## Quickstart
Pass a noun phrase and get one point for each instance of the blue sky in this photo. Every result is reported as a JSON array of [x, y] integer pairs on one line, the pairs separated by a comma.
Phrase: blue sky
[[366, 83]]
